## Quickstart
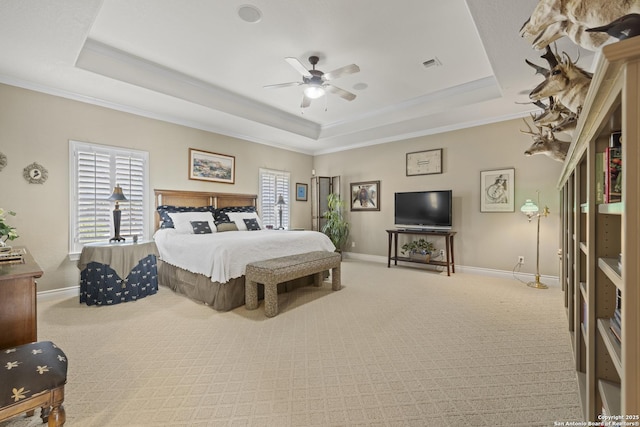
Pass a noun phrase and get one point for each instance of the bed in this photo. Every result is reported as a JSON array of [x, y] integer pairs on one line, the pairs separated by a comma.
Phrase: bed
[[205, 259]]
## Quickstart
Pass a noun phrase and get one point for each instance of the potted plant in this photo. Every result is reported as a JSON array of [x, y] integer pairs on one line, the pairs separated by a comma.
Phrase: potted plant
[[419, 249], [335, 227], [7, 232]]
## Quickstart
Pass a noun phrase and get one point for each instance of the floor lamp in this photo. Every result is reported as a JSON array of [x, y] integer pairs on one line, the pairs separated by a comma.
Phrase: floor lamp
[[280, 204], [117, 196], [530, 209]]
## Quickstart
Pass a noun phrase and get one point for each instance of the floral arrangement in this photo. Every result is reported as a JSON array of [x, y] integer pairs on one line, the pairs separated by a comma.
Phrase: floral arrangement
[[7, 232]]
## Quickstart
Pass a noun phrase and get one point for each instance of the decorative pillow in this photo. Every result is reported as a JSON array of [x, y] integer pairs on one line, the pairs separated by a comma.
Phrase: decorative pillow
[[251, 224], [164, 210], [201, 227], [239, 217], [182, 220], [226, 226], [221, 214]]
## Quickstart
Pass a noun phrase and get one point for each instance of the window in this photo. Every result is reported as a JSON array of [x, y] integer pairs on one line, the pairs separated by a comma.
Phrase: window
[[95, 170], [274, 184]]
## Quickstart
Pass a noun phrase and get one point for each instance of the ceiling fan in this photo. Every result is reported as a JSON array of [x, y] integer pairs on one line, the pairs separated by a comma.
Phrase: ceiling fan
[[318, 82]]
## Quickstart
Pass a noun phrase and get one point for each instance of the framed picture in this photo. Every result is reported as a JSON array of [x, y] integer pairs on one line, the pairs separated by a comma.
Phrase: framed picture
[[208, 166], [424, 162], [497, 189], [365, 196], [301, 192]]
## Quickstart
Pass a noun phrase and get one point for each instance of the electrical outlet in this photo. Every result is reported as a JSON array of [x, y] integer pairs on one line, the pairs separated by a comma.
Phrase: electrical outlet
[[520, 259], [442, 253], [353, 244]]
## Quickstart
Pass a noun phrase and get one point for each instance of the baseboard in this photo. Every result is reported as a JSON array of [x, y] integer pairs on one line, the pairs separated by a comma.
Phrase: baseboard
[[74, 291], [71, 291], [524, 277]]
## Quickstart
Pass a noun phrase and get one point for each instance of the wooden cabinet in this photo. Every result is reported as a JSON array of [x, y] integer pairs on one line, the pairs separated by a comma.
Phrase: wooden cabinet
[[595, 235], [18, 316]]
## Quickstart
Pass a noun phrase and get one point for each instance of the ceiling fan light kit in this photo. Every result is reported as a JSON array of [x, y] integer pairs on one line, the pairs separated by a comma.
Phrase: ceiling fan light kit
[[316, 81], [314, 92]]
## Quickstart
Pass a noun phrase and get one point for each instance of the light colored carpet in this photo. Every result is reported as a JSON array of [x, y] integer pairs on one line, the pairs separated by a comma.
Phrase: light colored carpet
[[395, 347]]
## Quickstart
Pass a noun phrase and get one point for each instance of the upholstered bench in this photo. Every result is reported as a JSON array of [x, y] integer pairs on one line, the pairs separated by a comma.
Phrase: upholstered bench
[[278, 270], [33, 376]]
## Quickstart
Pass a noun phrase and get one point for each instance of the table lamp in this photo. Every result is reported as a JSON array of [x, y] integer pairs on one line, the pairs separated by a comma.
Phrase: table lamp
[[117, 196], [280, 204]]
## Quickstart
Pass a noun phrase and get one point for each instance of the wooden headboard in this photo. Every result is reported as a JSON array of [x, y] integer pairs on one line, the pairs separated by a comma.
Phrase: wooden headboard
[[200, 198]]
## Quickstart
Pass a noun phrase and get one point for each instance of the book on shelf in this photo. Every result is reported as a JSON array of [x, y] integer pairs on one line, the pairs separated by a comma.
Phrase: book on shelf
[[615, 140], [600, 177], [613, 171], [615, 325]]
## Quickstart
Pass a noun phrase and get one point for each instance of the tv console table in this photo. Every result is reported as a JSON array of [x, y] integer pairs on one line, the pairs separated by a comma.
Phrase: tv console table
[[448, 236]]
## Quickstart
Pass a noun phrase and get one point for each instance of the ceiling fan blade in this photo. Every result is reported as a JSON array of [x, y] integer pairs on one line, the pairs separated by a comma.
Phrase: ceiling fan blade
[[306, 101], [298, 66], [343, 71], [340, 92], [282, 85]]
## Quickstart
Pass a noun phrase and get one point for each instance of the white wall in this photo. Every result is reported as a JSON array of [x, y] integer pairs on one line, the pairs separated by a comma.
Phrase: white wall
[[485, 240]]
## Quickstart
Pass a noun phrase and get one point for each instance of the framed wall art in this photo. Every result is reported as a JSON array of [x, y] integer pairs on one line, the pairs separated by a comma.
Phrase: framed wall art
[[497, 189], [424, 162], [301, 192], [214, 167], [365, 196], [35, 173]]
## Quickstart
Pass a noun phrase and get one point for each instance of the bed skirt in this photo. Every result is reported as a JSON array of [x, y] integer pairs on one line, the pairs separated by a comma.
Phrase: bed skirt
[[220, 296]]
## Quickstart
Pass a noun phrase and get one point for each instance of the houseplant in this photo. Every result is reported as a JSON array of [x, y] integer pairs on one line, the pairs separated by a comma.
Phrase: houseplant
[[7, 232], [419, 249], [335, 227]]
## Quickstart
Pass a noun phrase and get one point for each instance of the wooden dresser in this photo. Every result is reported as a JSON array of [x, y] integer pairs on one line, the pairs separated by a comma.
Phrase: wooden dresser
[[18, 315]]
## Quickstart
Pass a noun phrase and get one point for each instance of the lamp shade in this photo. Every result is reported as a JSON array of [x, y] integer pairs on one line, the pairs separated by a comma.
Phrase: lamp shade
[[281, 200], [529, 208], [117, 194]]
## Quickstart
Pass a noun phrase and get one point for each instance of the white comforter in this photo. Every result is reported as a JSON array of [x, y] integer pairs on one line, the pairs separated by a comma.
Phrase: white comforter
[[224, 256]]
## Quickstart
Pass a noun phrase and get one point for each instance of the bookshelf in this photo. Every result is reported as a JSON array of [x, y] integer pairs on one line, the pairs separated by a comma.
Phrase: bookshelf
[[595, 233]]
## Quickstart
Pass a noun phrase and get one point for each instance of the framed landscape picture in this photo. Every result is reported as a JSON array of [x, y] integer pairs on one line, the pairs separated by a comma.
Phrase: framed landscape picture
[[301, 192], [208, 166], [365, 196], [497, 190]]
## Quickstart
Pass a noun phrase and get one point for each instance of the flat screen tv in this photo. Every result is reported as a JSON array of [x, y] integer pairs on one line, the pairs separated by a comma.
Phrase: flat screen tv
[[424, 209]]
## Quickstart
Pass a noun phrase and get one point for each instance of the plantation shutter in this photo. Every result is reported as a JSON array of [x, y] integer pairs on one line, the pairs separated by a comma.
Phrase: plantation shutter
[[96, 170], [273, 184]]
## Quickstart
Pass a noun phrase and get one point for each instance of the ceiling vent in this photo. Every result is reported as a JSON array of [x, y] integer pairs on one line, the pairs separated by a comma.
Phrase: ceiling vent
[[433, 62]]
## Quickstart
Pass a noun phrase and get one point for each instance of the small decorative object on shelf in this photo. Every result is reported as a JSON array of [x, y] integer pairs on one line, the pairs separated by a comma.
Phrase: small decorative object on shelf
[[613, 180], [12, 256]]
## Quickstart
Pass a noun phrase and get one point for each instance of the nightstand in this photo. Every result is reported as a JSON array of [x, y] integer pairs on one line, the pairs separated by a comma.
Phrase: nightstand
[[111, 273], [18, 312]]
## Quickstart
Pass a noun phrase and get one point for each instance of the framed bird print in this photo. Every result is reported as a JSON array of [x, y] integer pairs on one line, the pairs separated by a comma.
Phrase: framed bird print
[[365, 196]]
